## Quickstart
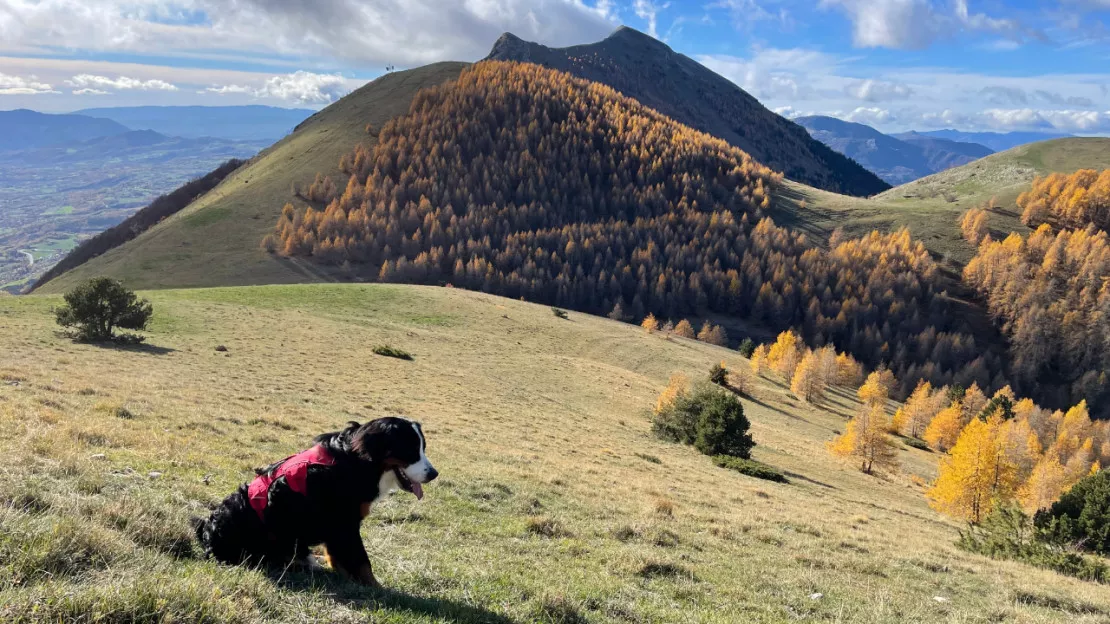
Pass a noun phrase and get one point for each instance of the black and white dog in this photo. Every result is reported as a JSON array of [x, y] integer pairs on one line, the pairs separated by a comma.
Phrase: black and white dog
[[319, 496]]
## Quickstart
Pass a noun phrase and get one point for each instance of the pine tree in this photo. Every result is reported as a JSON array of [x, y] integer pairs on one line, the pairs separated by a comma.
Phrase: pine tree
[[975, 475], [865, 441]]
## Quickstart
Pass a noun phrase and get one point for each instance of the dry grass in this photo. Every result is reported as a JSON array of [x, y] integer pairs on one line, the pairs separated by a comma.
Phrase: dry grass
[[547, 509]]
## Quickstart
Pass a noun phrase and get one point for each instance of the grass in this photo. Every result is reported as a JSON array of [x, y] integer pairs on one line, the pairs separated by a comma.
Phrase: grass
[[550, 507]]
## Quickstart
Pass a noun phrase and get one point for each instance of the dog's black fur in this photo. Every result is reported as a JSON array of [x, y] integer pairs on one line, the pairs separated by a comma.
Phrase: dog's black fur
[[337, 498]]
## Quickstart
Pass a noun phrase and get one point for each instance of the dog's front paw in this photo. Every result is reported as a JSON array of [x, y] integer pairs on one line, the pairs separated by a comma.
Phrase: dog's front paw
[[365, 576]]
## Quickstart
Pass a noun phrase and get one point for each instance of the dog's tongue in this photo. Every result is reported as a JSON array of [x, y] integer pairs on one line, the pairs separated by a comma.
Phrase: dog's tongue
[[418, 490]]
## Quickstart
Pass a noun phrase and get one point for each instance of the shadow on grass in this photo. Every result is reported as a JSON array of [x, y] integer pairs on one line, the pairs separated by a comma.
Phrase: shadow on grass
[[801, 477], [357, 596], [134, 347]]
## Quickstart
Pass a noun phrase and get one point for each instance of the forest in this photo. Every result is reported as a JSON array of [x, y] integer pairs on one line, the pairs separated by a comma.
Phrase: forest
[[527, 182]]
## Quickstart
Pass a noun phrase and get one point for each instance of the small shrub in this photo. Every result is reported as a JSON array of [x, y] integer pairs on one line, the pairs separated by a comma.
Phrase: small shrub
[[723, 428], [625, 533], [560, 610], [750, 467], [545, 527], [392, 352], [746, 348], [651, 459], [664, 507], [1007, 533], [918, 444], [719, 375], [664, 570], [1081, 516], [559, 312], [95, 309], [708, 418]]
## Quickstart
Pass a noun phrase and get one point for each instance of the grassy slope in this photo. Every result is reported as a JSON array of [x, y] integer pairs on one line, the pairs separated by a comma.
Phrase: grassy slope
[[527, 416], [924, 205], [215, 241]]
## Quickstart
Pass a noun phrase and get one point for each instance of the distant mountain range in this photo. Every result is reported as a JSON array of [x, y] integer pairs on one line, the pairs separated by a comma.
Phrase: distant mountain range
[[645, 69], [997, 141], [897, 159], [23, 129], [241, 123]]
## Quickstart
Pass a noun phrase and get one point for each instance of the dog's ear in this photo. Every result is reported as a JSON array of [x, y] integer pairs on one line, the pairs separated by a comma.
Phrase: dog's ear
[[372, 440]]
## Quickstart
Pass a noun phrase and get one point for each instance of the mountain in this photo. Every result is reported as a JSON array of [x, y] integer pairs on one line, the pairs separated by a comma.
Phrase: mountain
[[895, 159], [22, 129], [645, 69], [997, 141], [215, 239], [130, 147], [252, 123], [944, 154]]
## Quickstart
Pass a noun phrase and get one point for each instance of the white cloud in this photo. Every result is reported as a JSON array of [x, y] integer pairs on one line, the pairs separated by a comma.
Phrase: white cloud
[[871, 116], [1062, 120], [915, 24], [878, 90], [121, 83], [366, 33], [301, 87], [90, 92], [305, 87], [776, 74], [17, 85], [649, 12]]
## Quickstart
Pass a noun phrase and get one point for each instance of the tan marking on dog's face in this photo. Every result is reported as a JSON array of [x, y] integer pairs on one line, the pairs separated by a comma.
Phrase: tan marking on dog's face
[[364, 510]]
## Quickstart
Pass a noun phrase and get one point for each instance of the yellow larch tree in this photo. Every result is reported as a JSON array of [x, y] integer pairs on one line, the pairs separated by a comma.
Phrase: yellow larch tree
[[849, 372], [917, 412], [944, 429], [874, 392], [759, 359], [866, 442], [808, 383], [1045, 484], [678, 385], [975, 475], [684, 329], [650, 324], [785, 354]]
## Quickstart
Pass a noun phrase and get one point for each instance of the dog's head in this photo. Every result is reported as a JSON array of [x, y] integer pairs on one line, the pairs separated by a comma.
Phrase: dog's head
[[397, 444]]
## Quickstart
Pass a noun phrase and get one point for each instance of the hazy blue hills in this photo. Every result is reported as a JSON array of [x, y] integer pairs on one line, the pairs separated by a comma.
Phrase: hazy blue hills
[[997, 141], [896, 159], [22, 129], [252, 123]]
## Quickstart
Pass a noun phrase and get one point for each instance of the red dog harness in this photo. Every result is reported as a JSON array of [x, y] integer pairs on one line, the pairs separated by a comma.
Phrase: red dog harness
[[295, 471]]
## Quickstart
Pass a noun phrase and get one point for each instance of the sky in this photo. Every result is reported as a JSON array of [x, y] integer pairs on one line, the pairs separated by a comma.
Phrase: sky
[[974, 65]]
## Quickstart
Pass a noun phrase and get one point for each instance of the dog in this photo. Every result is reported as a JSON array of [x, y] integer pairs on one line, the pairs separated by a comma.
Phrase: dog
[[319, 496]]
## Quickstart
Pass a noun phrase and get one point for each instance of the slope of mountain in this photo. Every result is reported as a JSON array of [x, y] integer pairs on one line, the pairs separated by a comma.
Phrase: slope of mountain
[[23, 129], [215, 240], [944, 154], [556, 503], [254, 123], [931, 207], [647, 70], [895, 161], [997, 141]]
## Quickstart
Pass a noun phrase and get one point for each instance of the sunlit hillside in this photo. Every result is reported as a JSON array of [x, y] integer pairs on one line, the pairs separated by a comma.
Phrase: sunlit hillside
[[556, 504]]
